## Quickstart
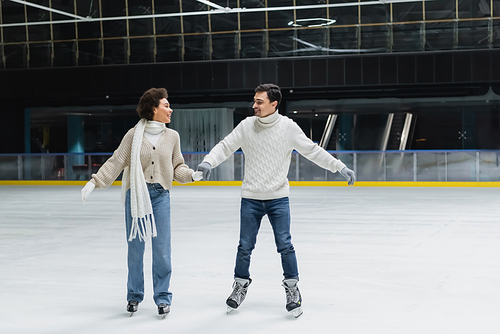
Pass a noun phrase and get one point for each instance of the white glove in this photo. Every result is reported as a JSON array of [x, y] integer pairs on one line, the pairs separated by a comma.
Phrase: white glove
[[197, 176], [349, 175], [87, 190]]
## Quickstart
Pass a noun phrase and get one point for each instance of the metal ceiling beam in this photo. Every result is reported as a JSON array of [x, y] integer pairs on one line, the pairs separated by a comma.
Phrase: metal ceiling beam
[[211, 12], [48, 9], [211, 4]]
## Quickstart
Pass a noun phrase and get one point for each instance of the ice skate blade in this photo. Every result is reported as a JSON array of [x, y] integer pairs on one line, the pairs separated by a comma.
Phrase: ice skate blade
[[131, 314], [163, 316], [296, 312], [229, 309]]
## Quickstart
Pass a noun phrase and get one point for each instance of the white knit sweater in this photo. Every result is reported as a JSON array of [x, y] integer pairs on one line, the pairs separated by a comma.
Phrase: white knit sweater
[[267, 144]]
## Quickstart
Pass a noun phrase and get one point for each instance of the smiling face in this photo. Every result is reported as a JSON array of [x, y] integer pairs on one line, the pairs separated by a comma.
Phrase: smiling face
[[262, 106], [163, 112]]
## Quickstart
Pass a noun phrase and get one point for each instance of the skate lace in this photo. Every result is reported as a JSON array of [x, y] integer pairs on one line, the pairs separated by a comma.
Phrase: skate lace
[[292, 294], [238, 292]]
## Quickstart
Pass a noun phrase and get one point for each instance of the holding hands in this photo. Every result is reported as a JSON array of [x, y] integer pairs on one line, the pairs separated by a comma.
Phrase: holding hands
[[205, 168], [197, 176]]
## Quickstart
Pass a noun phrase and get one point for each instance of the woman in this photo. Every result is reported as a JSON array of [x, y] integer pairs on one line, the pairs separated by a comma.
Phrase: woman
[[151, 158]]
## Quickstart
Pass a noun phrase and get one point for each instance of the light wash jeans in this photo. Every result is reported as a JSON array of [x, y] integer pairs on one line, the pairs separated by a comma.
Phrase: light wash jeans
[[162, 266], [251, 214]]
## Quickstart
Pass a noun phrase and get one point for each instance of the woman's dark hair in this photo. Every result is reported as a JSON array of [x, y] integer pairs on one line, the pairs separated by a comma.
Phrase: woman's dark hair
[[149, 100], [273, 92]]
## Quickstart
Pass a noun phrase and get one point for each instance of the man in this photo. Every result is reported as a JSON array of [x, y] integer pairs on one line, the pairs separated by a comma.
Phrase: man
[[267, 140]]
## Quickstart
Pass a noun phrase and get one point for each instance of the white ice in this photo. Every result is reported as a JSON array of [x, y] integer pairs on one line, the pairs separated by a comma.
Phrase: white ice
[[371, 260]]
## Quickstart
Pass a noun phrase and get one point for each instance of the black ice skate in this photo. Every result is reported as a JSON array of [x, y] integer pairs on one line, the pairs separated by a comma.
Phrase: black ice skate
[[163, 310], [240, 287], [293, 297], [132, 307]]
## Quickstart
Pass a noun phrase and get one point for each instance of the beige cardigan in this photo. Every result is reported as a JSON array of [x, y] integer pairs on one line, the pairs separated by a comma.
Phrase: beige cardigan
[[161, 163]]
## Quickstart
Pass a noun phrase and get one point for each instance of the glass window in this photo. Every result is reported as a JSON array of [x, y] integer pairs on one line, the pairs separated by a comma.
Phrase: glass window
[[168, 48], [114, 51], [406, 37], [164, 7], [225, 22], [280, 19], [38, 32], [439, 36], [196, 47], [167, 25], [196, 24], [14, 34], [117, 9], [407, 12], [473, 34], [64, 54], [311, 42], [281, 43], [141, 50], [86, 8], [140, 27], [114, 28], [496, 32], [375, 38], [496, 7], [343, 38], [15, 56], [89, 52], [273, 3], [440, 10], [344, 15], [63, 31], [375, 14], [224, 46], [252, 45], [473, 8], [256, 20], [40, 55], [89, 30]]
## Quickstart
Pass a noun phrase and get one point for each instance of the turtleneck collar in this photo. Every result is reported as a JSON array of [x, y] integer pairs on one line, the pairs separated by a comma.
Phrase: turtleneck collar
[[154, 127], [269, 120]]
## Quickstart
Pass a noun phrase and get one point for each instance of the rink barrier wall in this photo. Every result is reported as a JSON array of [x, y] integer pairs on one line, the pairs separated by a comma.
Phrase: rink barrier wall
[[292, 184]]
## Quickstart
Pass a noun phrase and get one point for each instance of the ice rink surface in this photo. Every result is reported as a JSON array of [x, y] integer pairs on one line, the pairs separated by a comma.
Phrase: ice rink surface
[[371, 260]]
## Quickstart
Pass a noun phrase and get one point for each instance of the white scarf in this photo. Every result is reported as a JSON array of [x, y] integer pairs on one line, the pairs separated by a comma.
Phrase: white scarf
[[143, 220]]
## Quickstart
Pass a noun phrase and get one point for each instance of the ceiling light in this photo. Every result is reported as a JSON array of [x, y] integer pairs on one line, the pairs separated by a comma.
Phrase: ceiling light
[[319, 22]]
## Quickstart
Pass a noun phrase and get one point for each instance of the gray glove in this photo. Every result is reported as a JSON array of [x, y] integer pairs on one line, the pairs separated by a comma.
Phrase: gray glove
[[205, 168], [349, 175]]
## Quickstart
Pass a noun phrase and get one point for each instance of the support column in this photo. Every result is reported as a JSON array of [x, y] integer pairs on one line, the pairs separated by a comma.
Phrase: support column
[[27, 144], [75, 145], [27, 130]]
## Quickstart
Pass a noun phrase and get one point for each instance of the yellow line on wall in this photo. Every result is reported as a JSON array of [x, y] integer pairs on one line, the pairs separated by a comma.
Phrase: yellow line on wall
[[292, 183]]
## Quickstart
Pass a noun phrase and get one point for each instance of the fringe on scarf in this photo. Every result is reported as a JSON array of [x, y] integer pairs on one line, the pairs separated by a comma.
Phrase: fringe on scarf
[[144, 228]]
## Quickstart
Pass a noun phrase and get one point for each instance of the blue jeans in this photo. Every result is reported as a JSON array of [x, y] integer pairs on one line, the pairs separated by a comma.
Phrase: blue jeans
[[251, 214], [162, 266]]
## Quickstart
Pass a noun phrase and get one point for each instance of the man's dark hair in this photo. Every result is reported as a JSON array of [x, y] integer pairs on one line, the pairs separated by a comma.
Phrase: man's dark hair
[[149, 100], [273, 92]]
